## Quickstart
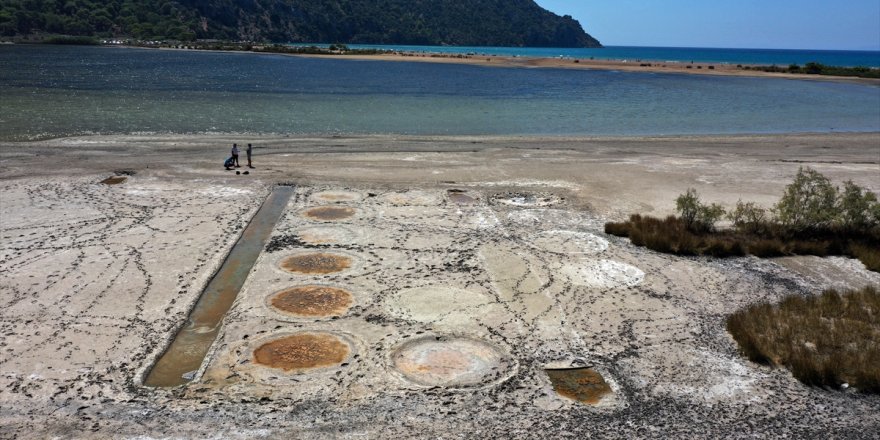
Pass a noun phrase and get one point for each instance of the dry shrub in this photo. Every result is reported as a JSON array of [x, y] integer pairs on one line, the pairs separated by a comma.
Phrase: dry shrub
[[868, 255], [817, 248], [673, 236], [824, 340], [724, 247], [767, 247], [619, 229]]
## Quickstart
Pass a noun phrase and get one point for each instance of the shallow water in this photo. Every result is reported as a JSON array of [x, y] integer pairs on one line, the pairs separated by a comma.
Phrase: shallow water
[[54, 91]]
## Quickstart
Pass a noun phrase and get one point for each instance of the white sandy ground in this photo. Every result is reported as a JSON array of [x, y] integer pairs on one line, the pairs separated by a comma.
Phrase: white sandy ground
[[97, 278]]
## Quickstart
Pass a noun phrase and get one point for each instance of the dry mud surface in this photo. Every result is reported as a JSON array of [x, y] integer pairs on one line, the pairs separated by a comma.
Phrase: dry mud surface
[[471, 265]]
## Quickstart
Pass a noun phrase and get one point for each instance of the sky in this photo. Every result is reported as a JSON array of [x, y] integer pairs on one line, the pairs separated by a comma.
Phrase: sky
[[754, 24]]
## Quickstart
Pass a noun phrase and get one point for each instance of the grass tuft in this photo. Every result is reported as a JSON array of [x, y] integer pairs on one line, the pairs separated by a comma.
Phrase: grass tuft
[[868, 255], [824, 340]]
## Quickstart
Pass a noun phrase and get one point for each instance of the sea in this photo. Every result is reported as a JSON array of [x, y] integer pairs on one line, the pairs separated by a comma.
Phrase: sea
[[58, 91]]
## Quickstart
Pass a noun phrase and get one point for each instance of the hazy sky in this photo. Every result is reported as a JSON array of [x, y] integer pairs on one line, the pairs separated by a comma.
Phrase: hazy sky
[[783, 24]]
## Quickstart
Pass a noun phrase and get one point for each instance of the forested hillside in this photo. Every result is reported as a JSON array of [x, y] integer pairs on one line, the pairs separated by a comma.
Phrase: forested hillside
[[430, 22]]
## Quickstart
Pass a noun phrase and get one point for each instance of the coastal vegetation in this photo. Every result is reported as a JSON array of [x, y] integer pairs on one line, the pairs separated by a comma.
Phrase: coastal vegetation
[[819, 69], [830, 339], [424, 22], [333, 49], [813, 217]]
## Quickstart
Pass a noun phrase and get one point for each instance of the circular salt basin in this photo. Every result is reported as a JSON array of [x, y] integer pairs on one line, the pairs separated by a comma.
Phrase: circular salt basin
[[411, 198], [326, 235], [303, 352], [316, 263], [569, 242], [460, 197], [312, 301], [337, 196], [603, 274], [453, 362], [329, 213], [431, 303]]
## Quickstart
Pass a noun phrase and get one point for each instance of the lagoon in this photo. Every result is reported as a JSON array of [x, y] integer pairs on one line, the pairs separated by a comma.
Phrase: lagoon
[[55, 91]]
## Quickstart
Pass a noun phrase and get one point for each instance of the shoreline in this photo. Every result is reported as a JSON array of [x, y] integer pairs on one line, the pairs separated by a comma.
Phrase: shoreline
[[396, 136]]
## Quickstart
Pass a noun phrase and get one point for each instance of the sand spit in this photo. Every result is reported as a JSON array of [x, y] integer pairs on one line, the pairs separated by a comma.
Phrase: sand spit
[[676, 67], [448, 317]]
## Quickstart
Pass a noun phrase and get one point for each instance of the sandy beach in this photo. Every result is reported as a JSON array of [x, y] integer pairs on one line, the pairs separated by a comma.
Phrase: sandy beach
[[472, 266]]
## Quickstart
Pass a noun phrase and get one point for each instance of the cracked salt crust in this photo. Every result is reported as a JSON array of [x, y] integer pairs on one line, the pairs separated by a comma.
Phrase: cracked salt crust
[[95, 280], [432, 303], [569, 242]]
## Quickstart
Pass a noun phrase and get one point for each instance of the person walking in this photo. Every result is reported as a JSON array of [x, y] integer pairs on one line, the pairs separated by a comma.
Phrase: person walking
[[235, 155], [249, 151]]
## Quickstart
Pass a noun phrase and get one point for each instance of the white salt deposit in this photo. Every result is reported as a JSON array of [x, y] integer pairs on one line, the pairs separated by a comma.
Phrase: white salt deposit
[[604, 274]]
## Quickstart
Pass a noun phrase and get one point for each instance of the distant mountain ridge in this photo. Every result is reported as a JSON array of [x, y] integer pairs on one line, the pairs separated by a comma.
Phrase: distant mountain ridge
[[419, 22]]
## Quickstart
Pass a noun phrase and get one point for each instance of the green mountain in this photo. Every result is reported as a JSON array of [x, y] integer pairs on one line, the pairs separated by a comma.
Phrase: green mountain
[[426, 22]]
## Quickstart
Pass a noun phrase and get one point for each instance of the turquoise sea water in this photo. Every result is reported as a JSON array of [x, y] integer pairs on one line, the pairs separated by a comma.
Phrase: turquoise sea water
[[781, 57], [52, 91]]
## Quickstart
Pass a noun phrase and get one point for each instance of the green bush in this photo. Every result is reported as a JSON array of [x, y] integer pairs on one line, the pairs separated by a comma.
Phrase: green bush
[[748, 217], [857, 207], [812, 219], [708, 215], [696, 215], [814, 68], [808, 203]]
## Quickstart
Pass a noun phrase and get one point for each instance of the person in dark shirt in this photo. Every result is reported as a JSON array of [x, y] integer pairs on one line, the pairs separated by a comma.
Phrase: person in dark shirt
[[249, 151]]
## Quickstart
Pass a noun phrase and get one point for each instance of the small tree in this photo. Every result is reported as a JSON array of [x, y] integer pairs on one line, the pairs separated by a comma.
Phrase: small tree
[[688, 205], [748, 217], [855, 207], [708, 215], [696, 215], [808, 203]]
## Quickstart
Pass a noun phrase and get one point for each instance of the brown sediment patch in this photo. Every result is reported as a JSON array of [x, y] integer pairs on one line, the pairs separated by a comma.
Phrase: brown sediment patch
[[584, 385], [453, 362], [303, 351], [312, 301], [459, 196], [330, 213], [316, 263], [114, 180]]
